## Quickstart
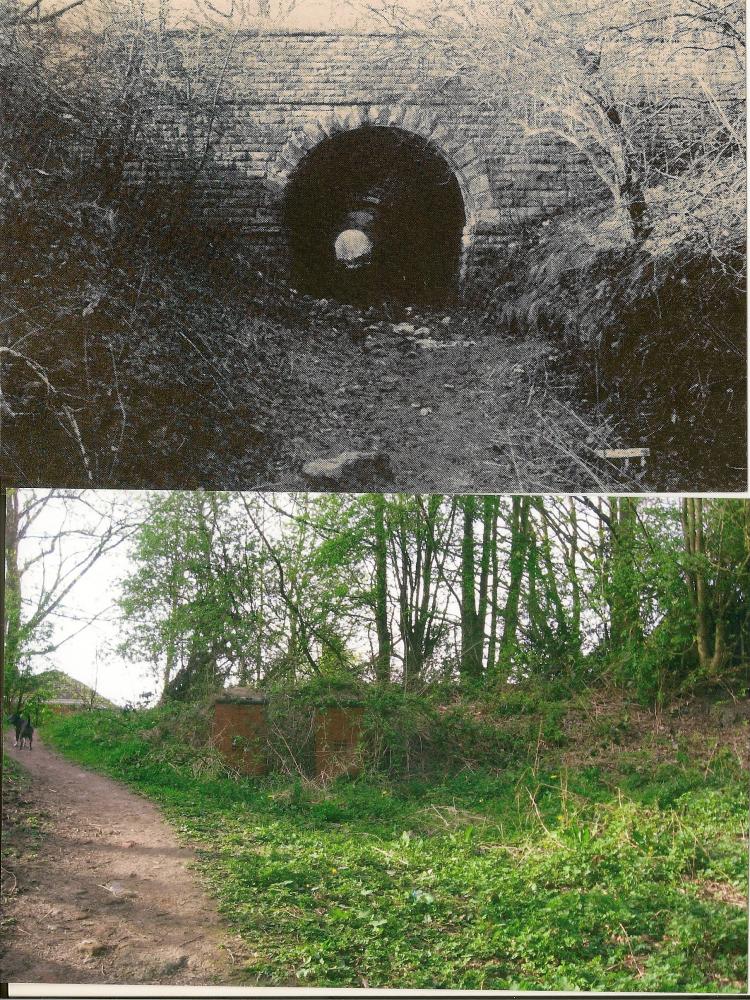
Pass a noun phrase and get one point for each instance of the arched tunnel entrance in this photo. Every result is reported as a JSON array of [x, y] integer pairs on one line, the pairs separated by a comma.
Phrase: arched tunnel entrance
[[375, 215]]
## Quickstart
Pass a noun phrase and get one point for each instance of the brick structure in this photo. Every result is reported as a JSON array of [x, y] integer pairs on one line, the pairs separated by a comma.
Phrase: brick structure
[[239, 729], [337, 732], [284, 93], [66, 706]]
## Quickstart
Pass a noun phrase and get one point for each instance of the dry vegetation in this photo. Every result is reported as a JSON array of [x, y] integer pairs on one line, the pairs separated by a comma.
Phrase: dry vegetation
[[140, 347]]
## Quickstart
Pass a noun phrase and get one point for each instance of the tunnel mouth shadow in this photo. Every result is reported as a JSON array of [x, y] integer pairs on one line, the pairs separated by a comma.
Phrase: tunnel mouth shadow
[[395, 189]]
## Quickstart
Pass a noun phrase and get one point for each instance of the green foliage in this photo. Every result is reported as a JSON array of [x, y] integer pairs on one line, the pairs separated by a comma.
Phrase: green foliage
[[568, 592], [398, 731], [405, 734], [529, 878], [330, 690]]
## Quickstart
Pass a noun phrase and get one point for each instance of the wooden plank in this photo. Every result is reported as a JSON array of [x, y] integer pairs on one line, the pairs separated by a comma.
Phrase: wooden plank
[[624, 453]]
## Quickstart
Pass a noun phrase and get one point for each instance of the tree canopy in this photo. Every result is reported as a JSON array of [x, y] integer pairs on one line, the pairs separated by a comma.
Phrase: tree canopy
[[419, 590]]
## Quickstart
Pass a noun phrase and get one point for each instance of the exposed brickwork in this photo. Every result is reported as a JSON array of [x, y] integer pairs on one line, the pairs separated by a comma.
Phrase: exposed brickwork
[[337, 732], [64, 709], [239, 732], [285, 92]]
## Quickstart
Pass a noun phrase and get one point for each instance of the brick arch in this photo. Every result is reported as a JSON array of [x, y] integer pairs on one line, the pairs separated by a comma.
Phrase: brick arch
[[462, 157]]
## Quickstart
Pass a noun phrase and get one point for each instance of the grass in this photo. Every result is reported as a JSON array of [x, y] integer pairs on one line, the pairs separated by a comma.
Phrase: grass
[[626, 877]]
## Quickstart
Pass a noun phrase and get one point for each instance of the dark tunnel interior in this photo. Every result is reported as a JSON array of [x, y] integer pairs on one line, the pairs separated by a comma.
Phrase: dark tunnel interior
[[391, 186]]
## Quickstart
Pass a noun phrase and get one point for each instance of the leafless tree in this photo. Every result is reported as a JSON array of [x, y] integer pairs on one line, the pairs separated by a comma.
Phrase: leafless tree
[[53, 539], [603, 79]]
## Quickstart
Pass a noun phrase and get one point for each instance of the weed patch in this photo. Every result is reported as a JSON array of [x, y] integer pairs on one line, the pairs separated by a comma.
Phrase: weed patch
[[530, 877]]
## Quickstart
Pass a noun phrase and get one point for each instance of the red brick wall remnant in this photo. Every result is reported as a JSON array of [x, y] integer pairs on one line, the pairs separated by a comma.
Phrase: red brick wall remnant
[[337, 732], [239, 732]]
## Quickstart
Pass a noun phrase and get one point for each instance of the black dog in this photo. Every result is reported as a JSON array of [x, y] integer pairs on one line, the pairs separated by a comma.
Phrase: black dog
[[24, 730]]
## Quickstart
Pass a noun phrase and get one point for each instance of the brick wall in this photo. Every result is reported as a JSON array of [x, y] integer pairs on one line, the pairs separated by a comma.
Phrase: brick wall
[[239, 732], [337, 732], [284, 92]]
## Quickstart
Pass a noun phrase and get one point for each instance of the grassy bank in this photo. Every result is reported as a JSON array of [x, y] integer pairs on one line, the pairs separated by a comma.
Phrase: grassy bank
[[627, 874]]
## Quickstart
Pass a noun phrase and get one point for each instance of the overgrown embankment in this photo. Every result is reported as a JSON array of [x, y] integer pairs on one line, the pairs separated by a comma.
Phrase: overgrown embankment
[[143, 344], [656, 331], [593, 845]]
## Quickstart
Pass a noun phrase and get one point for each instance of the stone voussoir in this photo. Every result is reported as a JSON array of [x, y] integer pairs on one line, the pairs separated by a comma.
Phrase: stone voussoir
[[285, 93]]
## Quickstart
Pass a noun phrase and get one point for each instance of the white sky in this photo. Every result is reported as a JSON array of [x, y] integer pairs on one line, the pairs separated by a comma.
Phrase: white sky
[[90, 656]]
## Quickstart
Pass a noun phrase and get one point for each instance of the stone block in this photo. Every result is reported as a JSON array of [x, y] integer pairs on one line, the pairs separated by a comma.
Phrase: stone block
[[478, 184], [412, 119], [489, 217], [396, 116], [465, 154]]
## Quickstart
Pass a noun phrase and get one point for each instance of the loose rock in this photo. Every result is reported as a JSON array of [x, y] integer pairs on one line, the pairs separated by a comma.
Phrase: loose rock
[[361, 468], [93, 947]]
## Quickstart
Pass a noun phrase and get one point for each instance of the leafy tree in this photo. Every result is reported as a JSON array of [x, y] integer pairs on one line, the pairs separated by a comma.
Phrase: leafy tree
[[485, 591]]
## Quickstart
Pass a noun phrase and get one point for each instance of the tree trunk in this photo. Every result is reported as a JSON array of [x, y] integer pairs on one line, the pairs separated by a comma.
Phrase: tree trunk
[[12, 635], [383, 659], [518, 548], [631, 198], [625, 578], [489, 525], [706, 611], [575, 584], [492, 641], [471, 663], [552, 590]]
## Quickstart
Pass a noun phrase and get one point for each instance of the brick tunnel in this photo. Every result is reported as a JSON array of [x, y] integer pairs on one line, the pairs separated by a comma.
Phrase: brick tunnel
[[320, 132], [375, 214]]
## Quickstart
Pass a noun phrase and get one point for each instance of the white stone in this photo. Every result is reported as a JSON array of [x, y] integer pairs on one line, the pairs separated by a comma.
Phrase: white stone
[[361, 468]]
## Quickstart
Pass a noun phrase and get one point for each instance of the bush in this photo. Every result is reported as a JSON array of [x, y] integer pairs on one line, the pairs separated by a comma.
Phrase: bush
[[113, 287], [656, 330], [398, 731]]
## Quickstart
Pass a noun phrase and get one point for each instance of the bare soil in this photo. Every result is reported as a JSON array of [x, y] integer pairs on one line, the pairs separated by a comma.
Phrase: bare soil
[[452, 406], [97, 888]]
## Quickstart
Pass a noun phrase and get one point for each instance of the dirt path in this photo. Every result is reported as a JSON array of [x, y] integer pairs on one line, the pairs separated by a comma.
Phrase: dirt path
[[103, 893], [452, 409]]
